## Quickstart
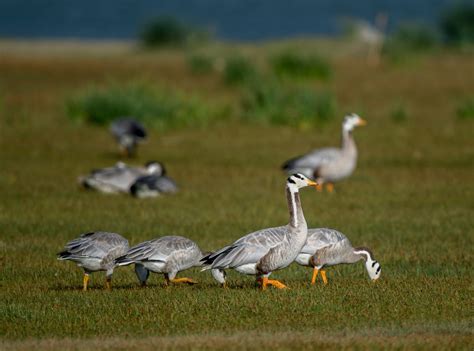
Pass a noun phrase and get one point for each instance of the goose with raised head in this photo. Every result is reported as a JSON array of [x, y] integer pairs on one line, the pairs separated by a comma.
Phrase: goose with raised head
[[330, 165], [168, 255], [267, 250], [128, 132], [95, 251], [119, 178], [329, 247]]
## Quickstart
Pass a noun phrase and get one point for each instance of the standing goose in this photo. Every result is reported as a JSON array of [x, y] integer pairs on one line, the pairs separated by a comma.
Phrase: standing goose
[[128, 133], [329, 247], [153, 185], [329, 165], [264, 251], [95, 251], [169, 255], [119, 178]]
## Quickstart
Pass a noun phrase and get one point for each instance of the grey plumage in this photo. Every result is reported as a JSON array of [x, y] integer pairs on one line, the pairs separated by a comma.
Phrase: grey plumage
[[169, 255], [153, 185], [329, 164], [128, 132], [95, 251]]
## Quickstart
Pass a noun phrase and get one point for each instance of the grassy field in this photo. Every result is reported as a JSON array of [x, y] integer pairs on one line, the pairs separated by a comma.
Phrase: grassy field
[[411, 200]]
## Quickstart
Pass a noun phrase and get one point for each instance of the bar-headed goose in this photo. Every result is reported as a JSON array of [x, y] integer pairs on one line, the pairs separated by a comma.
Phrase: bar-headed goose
[[128, 133], [153, 185], [119, 178], [329, 247], [262, 252], [168, 255], [95, 251], [329, 165]]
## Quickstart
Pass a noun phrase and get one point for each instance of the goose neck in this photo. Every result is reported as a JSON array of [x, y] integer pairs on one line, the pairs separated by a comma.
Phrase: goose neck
[[294, 207]]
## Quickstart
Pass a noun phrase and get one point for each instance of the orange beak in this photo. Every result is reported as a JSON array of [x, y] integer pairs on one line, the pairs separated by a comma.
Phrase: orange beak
[[361, 122], [312, 183]]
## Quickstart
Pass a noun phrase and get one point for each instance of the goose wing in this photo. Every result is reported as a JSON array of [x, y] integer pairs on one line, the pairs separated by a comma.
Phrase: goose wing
[[248, 249], [319, 238], [95, 244], [128, 126], [309, 162]]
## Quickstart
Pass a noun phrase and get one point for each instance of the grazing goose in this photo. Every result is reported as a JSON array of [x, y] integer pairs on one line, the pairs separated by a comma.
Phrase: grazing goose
[[119, 178], [328, 247], [128, 133], [168, 255], [153, 185], [329, 165], [95, 251], [264, 251]]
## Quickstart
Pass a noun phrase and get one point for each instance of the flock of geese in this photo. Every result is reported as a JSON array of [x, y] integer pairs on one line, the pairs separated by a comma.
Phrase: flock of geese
[[259, 253]]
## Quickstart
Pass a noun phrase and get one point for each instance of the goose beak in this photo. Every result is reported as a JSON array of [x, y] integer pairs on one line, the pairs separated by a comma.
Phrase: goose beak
[[312, 183], [361, 122]]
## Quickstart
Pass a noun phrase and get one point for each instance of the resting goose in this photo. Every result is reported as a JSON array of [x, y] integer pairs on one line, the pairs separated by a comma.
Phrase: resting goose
[[168, 255], [329, 247], [95, 251], [128, 133], [329, 165], [153, 185], [119, 178], [262, 252]]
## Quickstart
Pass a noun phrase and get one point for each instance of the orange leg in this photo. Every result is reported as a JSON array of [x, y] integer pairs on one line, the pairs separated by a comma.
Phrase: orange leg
[[275, 283], [315, 274], [323, 275], [330, 187], [183, 280], [85, 281], [319, 187], [108, 283]]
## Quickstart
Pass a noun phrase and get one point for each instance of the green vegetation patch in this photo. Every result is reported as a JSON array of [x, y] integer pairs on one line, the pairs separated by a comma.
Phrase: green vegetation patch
[[293, 65], [156, 107], [466, 109]]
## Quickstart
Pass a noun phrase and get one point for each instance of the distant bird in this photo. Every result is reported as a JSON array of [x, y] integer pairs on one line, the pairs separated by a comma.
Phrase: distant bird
[[119, 178], [329, 247], [128, 133], [329, 165], [154, 184], [264, 251], [95, 251], [168, 255]]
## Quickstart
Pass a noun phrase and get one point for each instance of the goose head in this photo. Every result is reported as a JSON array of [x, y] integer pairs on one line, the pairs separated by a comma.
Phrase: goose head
[[371, 264], [298, 181], [155, 168], [351, 121]]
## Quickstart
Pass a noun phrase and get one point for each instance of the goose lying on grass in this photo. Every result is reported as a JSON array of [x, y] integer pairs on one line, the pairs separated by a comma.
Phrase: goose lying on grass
[[119, 178], [267, 250], [329, 165], [153, 185], [95, 251], [328, 247]]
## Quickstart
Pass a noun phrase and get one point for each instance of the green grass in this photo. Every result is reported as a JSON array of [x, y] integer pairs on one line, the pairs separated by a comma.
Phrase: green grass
[[410, 200]]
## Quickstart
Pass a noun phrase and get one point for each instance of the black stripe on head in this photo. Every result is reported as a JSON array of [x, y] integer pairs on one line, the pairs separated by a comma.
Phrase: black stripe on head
[[378, 270], [298, 176], [373, 264], [289, 180]]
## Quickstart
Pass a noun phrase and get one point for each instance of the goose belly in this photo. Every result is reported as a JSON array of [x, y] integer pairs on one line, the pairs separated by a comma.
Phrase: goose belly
[[156, 267], [91, 264], [338, 170], [250, 269], [303, 259]]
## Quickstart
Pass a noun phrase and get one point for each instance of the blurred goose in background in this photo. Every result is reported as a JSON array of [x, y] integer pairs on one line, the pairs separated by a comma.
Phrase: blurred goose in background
[[264, 251], [128, 133], [329, 247], [95, 251], [168, 255], [119, 178], [329, 165], [154, 184]]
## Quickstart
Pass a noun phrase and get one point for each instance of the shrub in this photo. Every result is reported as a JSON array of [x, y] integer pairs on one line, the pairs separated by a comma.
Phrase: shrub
[[300, 107], [156, 108], [297, 66], [457, 24], [398, 113], [239, 70], [409, 39], [466, 109], [167, 31]]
